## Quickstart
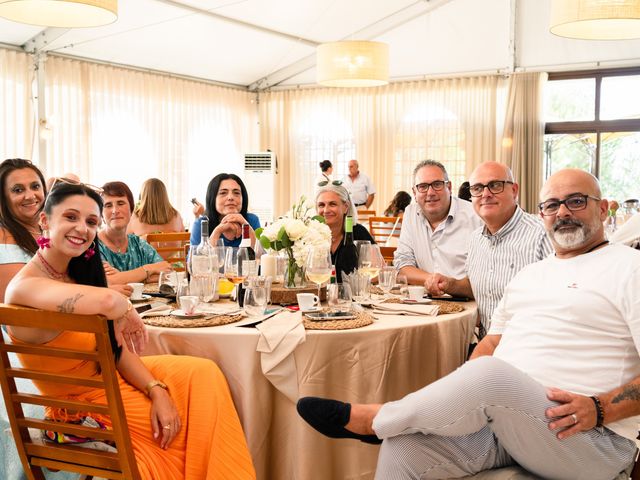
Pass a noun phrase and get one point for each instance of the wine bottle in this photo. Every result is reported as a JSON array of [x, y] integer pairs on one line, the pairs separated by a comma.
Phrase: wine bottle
[[347, 260], [246, 261], [204, 266]]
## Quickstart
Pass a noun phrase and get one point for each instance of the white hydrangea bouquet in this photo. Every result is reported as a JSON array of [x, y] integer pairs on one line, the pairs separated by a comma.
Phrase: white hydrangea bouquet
[[296, 233]]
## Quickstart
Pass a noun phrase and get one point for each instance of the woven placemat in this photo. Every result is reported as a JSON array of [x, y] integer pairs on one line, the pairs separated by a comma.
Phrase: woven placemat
[[362, 320], [174, 322], [150, 288], [445, 307]]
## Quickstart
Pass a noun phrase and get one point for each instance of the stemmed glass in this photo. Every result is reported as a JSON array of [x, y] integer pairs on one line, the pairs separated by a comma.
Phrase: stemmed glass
[[319, 266], [370, 260], [233, 261]]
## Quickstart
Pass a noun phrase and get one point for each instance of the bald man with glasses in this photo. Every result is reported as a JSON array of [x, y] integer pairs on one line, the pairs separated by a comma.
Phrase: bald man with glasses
[[435, 229], [509, 240]]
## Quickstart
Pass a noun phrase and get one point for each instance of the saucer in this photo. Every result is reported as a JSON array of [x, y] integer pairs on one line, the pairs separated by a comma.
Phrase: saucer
[[312, 309], [416, 302], [144, 298], [181, 314]]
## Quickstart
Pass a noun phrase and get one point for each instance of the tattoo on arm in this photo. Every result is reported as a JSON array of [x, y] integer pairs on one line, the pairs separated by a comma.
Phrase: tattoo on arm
[[67, 305], [630, 392]]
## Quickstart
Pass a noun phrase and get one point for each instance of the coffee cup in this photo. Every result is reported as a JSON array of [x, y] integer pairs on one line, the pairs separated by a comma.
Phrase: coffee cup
[[188, 304], [307, 301], [137, 290], [416, 292]]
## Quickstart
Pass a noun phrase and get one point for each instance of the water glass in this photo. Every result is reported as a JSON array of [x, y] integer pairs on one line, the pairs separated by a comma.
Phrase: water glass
[[255, 301], [339, 297], [205, 286], [264, 282], [360, 283], [387, 278]]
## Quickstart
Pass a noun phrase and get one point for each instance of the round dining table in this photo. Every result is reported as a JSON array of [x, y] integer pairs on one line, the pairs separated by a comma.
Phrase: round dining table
[[384, 361]]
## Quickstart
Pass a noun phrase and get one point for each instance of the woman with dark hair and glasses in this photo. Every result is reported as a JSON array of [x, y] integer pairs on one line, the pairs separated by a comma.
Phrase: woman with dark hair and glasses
[[128, 257], [227, 203], [172, 402], [22, 199]]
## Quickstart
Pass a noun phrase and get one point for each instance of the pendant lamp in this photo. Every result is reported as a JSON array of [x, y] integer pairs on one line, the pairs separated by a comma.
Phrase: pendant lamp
[[596, 19], [60, 13], [352, 63]]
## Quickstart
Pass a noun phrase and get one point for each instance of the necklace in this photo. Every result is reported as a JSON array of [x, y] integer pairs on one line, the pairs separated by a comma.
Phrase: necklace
[[48, 269], [116, 247], [597, 246]]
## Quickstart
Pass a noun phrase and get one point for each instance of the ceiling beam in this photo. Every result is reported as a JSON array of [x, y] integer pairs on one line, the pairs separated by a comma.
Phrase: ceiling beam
[[376, 29], [235, 21]]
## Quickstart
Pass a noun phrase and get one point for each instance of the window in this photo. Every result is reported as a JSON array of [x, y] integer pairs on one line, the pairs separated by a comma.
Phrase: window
[[593, 123]]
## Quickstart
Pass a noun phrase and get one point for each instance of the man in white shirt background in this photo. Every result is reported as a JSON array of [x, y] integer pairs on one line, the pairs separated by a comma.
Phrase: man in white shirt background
[[359, 186], [435, 229]]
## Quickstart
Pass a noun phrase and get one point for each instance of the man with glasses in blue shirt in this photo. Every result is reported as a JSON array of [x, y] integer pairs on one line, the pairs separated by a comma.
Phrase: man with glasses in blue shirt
[[435, 229]]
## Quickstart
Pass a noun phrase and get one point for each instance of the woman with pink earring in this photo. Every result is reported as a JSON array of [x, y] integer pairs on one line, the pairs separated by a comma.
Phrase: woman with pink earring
[[21, 200]]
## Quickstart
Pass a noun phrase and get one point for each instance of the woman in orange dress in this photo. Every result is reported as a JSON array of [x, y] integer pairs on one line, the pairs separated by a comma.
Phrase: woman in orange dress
[[179, 410]]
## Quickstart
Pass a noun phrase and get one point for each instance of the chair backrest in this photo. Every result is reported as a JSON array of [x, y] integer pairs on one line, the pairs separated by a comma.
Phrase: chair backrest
[[381, 228], [387, 254], [172, 247], [363, 217], [35, 453]]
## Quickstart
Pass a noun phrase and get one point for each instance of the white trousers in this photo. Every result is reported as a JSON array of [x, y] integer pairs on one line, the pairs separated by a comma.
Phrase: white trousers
[[488, 414]]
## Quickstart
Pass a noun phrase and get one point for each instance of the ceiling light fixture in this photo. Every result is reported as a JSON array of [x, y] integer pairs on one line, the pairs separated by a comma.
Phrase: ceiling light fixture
[[353, 63], [60, 13], [596, 19]]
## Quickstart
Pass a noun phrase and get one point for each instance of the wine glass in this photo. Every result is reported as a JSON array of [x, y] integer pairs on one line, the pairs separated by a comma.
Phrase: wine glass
[[319, 266], [387, 278], [233, 263], [370, 260]]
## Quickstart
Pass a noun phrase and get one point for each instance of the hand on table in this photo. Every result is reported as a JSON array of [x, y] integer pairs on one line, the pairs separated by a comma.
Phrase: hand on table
[[438, 284]]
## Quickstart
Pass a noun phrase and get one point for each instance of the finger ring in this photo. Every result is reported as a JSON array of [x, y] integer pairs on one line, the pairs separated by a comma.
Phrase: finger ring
[[575, 418], [167, 427]]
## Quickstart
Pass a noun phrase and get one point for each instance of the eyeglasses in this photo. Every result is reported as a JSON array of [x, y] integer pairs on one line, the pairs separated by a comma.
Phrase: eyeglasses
[[68, 181], [437, 186], [574, 203], [494, 186], [324, 183]]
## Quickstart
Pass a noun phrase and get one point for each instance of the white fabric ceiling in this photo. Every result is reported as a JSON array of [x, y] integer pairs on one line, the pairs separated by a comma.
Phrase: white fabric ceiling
[[260, 43]]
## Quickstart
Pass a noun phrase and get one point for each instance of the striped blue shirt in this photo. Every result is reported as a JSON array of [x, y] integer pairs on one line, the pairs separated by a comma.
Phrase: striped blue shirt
[[494, 260]]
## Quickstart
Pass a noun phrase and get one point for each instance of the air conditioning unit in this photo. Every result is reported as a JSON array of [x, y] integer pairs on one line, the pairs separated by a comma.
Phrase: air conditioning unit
[[260, 177]]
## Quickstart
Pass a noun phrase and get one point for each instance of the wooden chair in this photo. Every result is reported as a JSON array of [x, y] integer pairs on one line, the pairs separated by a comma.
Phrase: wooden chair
[[173, 247], [36, 453], [381, 228], [387, 254], [363, 216]]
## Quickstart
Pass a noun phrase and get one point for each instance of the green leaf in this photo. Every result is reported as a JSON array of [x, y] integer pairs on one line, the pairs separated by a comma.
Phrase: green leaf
[[259, 231], [318, 218], [264, 241]]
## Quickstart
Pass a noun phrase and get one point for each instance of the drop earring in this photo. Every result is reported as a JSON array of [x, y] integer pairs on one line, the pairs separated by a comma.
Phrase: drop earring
[[43, 240], [91, 251]]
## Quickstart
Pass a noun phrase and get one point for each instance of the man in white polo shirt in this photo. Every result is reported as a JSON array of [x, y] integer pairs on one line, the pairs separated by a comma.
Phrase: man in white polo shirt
[[359, 186], [435, 229]]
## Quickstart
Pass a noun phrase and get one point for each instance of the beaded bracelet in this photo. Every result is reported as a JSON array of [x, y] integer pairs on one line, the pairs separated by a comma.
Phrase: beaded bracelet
[[599, 411]]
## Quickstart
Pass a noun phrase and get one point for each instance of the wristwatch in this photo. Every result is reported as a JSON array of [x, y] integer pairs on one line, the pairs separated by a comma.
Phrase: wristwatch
[[155, 383]]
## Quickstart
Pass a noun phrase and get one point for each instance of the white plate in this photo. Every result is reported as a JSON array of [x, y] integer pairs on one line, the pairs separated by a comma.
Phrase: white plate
[[181, 314], [143, 299], [312, 309], [416, 302]]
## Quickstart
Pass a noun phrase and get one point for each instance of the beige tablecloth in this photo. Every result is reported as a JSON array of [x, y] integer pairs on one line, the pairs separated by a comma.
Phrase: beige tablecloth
[[380, 362]]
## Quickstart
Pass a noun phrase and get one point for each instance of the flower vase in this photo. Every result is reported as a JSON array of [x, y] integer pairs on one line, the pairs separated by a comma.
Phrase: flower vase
[[294, 275]]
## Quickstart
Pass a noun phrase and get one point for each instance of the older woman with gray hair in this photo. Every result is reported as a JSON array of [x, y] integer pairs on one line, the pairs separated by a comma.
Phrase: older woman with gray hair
[[334, 204]]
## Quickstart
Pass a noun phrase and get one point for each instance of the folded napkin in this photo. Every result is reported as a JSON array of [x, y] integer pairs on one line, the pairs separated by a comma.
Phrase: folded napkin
[[279, 337], [157, 311], [405, 309]]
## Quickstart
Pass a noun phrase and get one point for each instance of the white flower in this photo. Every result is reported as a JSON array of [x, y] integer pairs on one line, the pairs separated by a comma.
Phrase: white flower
[[295, 229], [271, 231]]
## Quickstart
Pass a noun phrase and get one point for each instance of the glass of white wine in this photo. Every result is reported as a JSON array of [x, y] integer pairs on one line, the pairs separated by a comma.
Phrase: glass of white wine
[[319, 266], [370, 260]]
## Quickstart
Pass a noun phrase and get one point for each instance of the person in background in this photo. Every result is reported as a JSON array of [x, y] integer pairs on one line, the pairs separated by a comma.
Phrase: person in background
[[463, 192], [22, 199], [334, 204], [173, 402], [359, 186], [227, 202], [509, 240], [154, 213], [435, 229], [326, 170], [400, 201], [128, 258]]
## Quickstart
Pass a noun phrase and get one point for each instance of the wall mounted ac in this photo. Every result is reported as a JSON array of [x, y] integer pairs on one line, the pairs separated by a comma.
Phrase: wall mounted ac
[[259, 177]]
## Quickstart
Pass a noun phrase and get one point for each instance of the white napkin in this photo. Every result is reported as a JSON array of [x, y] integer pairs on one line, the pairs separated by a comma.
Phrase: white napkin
[[405, 309], [279, 337], [157, 311]]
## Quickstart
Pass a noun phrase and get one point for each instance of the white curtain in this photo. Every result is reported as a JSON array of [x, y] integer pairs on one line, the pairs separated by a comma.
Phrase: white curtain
[[387, 129], [111, 123], [16, 109]]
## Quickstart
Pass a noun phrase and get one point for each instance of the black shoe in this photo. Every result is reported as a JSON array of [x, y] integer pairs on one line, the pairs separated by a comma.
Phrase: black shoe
[[329, 418]]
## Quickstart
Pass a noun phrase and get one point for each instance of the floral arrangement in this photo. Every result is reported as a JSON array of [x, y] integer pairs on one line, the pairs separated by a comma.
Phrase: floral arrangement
[[296, 233]]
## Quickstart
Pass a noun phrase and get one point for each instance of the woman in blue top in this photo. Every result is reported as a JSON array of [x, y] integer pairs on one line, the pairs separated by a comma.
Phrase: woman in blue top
[[127, 258], [226, 207]]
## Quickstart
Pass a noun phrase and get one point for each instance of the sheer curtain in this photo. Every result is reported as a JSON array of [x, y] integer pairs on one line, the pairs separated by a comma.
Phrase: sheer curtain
[[16, 110], [111, 123], [387, 129], [523, 137]]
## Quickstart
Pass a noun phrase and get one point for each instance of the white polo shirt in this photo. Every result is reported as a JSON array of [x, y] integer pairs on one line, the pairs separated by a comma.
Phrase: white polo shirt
[[359, 189]]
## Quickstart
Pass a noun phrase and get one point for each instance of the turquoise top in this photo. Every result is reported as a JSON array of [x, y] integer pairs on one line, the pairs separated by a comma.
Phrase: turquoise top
[[11, 253], [138, 253]]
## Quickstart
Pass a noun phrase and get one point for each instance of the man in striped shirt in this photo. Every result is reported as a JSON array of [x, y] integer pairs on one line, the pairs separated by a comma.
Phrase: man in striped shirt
[[509, 240]]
